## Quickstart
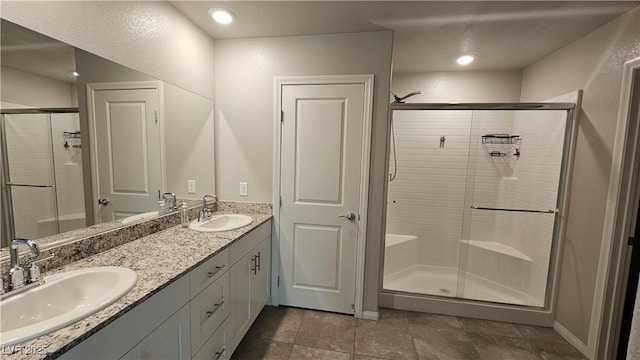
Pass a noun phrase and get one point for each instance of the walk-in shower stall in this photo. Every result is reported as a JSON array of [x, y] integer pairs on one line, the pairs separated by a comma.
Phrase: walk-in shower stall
[[42, 183], [474, 209]]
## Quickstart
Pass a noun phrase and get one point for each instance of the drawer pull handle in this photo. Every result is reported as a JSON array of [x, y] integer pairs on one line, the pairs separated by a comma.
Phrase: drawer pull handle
[[219, 354], [255, 265], [217, 269], [214, 309]]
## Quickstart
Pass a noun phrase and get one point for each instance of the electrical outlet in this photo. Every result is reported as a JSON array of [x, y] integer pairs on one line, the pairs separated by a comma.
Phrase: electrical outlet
[[244, 189], [191, 186]]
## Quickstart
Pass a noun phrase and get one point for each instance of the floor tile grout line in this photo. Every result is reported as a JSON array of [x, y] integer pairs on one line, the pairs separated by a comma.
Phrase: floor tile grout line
[[317, 348], [415, 350], [304, 315]]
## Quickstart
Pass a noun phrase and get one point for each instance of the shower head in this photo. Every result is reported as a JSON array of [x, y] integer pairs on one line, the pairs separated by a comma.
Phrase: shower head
[[399, 100]]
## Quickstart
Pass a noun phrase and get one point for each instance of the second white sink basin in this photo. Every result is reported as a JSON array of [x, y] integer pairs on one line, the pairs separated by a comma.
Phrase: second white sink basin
[[64, 299], [224, 222]]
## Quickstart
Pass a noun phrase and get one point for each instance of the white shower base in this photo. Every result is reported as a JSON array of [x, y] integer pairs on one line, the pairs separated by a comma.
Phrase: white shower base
[[67, 222], [443, 281]]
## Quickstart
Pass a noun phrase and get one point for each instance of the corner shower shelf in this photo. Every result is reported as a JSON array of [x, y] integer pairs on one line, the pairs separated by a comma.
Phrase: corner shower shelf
[[499, 248]]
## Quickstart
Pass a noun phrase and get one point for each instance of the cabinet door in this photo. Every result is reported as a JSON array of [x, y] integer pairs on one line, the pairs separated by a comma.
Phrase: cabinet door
[[240, 280], [169, 341], [261, 279], [121, 336]]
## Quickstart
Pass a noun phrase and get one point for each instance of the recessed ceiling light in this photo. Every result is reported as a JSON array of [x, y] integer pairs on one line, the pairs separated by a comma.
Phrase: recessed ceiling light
[[465, 59], [221, 16]]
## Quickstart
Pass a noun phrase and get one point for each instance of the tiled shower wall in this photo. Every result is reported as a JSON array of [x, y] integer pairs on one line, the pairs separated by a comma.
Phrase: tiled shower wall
[[435, 187], [29, 150], [69, 180], [426, 199]]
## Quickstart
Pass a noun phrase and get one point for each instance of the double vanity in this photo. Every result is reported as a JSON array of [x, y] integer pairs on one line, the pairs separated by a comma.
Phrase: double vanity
[[194, 293]]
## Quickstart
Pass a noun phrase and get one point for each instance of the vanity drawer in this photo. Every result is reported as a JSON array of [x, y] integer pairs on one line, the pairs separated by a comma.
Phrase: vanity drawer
[[208, 311], [241, 247], [205, 274], [216, 346]]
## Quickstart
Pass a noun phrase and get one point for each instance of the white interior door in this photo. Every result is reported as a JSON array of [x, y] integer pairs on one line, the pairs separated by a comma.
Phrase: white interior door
[[128, 157], [320, 179]]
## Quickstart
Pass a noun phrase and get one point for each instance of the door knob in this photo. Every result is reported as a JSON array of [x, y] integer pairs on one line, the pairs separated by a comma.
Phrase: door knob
[[104, 201], [349, 216]]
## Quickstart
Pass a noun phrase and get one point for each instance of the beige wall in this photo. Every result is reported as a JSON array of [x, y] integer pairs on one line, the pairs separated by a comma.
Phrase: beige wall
[[593, 63], [151, 37], [461, 86], [188, 142], [245, 71], [29, 90]]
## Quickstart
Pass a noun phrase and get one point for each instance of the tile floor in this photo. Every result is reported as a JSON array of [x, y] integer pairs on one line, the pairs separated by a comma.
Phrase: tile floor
[[291, 333]]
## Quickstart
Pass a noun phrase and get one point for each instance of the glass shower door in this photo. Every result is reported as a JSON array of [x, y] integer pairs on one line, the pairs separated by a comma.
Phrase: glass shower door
[[425, 203], [31, 175], [514, 171]]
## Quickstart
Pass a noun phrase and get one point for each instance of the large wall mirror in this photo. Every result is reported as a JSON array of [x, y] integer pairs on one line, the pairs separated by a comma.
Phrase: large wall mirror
[[87, 142]]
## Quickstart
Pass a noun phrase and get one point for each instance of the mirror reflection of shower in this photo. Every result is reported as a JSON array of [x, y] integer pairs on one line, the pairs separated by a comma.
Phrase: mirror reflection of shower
[[42, 183], [397, 100]]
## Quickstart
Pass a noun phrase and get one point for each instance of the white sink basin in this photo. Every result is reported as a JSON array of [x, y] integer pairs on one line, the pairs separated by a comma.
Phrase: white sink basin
[[64, 299], [138, 217], [223, 222]]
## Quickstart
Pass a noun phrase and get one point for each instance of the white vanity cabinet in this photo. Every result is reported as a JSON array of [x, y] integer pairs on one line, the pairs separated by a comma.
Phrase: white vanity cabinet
[[262, 280], [154, 317], [249, 276], [202, 315], [169, 341]]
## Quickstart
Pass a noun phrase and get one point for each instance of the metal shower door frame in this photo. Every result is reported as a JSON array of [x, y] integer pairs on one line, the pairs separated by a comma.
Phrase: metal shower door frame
[[561, 204]]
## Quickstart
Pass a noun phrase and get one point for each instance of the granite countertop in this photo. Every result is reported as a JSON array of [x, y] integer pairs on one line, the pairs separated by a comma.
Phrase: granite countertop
[[158, 259]]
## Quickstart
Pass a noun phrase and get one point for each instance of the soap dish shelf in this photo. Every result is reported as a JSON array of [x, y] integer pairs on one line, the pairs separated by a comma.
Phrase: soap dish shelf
[[501, 139]]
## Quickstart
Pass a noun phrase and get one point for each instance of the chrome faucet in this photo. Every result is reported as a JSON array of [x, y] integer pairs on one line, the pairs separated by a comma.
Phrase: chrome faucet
[[17, 282], [205, 213], [172, 197], [16, 278]]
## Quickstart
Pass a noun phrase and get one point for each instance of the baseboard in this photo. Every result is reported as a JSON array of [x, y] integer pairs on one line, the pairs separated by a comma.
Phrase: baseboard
[[370, 315], [571, 339]]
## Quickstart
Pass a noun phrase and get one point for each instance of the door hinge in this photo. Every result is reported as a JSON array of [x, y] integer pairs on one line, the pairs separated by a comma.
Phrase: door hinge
[[280, 201], [156, 112], [281, 116], [278, 281], [631, 240]]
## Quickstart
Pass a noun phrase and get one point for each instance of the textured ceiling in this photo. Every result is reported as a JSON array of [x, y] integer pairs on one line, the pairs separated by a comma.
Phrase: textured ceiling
[[428, 35]]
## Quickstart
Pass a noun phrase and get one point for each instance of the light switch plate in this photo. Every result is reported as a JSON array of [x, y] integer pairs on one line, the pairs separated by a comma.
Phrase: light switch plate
[[191, 186], [244, 189]]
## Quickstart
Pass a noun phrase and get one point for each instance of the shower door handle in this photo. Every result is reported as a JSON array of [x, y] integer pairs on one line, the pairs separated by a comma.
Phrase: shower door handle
[[349, 216]]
